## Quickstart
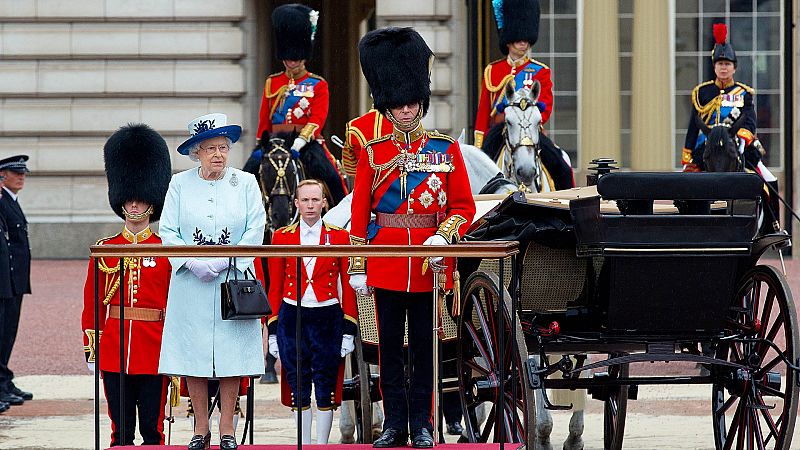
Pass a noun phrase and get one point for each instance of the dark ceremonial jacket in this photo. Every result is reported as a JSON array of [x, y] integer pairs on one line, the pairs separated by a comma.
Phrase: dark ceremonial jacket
[[146, 286], [493, 99], [415, 173], [302, 102], [715, 104], [18, 246], [324, 281], [358, 132], [6, 292]]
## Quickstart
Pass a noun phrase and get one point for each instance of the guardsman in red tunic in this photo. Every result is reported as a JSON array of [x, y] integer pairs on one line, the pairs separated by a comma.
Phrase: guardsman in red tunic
[[138, 170], [358, 132], [416, 184], [329, 318], [296, 100]]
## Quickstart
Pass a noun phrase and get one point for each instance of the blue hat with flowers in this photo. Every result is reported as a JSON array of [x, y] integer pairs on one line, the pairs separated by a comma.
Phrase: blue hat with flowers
[[207, 127]]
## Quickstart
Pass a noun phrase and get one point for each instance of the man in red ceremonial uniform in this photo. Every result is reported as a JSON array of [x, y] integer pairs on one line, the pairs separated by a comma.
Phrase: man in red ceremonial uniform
[[328, 317], [138, 170], [416, 184], [296, 100]]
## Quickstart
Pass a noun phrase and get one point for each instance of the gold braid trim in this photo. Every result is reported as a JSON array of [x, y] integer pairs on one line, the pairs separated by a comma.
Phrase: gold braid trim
[[487, 80], [111, 274], [307, 133], [357, 265], [91, 348], [706, 111], [270, 95], [174, 391], [380, 168], [449, 228]]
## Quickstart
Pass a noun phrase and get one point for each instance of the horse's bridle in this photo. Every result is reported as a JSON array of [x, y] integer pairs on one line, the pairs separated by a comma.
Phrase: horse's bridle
[[280, 165], [527, 128]]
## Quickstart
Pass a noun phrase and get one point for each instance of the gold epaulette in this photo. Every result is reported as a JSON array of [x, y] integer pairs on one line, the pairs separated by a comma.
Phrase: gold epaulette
[[289, 228], [747, 88], [705, 111], [539, 63], [436, 135], [487, 79], [102, 241], [330, 226], [313, 75]]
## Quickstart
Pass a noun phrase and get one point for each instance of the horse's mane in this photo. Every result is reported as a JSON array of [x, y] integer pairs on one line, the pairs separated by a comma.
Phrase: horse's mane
[[493, 141]]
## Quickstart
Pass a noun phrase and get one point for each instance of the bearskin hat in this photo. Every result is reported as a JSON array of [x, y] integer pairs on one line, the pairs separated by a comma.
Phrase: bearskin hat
[[294, 27], [396, 63], [137, 168], [722, 48], [516, 20]]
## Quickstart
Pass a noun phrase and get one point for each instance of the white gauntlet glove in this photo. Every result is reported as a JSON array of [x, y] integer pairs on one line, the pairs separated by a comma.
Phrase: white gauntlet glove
[[359, 283], [201, 269], [297, 145], [273, 346], [347, 344], [436, 239], [91, 367], [218, 265]]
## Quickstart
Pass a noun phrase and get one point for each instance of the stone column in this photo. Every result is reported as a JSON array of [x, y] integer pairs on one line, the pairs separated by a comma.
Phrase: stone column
[[599, 83], [651, 105]]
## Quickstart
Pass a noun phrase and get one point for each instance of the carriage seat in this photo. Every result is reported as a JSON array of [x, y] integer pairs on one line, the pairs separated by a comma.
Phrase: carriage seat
[[639, 228]]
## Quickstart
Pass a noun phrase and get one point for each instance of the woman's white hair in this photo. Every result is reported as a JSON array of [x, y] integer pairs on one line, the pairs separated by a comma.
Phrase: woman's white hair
[[196, 148]]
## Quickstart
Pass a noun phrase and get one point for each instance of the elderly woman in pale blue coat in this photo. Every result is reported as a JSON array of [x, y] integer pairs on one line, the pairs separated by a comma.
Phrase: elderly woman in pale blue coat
[[210, 205]]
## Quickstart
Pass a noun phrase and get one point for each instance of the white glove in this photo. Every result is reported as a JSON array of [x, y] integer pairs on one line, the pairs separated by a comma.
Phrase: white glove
[[218, 264], [347, 344], [298, 144], [272, 347], [201, 269], [359, 283], [436, 239], [91, 367]]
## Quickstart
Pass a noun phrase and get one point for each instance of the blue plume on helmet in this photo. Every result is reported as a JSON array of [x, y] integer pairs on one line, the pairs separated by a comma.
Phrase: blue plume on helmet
[[498, 13]]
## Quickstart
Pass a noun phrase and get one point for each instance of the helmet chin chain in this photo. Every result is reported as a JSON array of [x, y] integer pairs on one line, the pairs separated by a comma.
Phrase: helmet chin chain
[[137, 217], [402, 127]]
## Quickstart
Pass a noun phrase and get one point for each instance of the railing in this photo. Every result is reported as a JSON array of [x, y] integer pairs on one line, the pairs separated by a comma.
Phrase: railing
[[490, 250]]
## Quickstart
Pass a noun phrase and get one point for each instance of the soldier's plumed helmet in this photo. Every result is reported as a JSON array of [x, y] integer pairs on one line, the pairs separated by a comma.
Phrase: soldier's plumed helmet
[[137, 168], [293, 30], [396, 63], [722, 50], [516, 20]]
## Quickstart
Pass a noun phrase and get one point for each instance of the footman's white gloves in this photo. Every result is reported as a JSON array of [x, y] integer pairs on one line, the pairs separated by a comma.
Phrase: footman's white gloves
[[359, 283], [347, 344], [273, 346]]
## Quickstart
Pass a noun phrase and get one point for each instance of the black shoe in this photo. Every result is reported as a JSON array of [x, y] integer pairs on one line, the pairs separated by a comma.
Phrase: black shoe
[[11, 399], [422, 438], [455, 429], [227, 442], [391, 437], [268, 378], [200, 442], [19, 392], [4, 407]]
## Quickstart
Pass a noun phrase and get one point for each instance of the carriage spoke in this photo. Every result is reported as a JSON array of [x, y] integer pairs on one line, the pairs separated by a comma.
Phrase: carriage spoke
[[487, 332], [734, 427], [479, 345], [767, 312], [472, 364], [765, 368], [771, 423], [726, 406], [490, 424]]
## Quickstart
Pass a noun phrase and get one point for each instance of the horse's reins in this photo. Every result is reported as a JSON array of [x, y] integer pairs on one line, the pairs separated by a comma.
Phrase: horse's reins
[[281, 183], [526, 140]]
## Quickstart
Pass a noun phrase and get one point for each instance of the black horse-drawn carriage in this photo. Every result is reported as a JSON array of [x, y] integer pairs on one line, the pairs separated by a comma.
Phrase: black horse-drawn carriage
[[619, 273]]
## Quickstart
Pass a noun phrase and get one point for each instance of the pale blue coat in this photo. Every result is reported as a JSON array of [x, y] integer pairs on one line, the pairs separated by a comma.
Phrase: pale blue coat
[[229, 211]]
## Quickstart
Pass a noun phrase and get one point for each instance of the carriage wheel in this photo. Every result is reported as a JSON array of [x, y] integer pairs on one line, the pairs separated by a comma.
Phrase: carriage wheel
[[478, 366], [757, 407], [615, 408], [363, 403]]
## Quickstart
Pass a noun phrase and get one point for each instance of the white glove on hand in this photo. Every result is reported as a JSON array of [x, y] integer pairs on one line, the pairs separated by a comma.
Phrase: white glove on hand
[[298, 144], [91, 367], [201, 269], [436, 239], [218, 265], [359, 283], [272, 347], [347, 344]]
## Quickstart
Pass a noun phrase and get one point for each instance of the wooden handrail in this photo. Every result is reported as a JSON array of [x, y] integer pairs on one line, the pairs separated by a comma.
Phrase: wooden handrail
[[495, 249]]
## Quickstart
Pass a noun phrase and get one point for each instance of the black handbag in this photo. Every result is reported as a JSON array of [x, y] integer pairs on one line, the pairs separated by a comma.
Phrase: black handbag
[[243, 299]]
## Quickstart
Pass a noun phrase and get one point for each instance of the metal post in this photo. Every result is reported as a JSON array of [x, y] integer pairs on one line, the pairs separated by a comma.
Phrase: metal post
[[121, 349], [297, 341], [251, 403], [501, 407], [435, 327], [514, 291], [96, 355]]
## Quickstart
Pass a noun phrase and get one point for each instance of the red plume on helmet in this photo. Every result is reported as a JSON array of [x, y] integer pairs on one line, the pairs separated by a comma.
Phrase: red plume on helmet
[[720, 33]]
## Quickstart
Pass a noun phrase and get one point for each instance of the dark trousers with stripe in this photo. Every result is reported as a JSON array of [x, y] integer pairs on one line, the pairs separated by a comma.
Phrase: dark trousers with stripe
[[406, 406], [145, 393], [321, 348], [10, 309]]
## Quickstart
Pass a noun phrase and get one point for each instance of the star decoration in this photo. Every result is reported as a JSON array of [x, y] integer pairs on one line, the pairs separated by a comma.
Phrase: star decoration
[[426, 199]]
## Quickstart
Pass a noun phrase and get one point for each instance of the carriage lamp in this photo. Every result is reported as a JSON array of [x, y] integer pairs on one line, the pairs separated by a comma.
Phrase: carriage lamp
[[600, 167]]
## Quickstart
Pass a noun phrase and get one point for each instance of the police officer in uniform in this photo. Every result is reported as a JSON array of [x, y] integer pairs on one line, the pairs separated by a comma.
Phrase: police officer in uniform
[[6, 293], [719, 101], [138, 170], [296, 99], [518, 27], [415, 182], [14, 169]]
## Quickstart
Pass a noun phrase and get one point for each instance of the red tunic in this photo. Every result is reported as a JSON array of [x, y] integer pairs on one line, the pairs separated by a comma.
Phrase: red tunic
[[146, 286], [492, 100], [438, 185], [305, 104], [324, 280], [358, 132]]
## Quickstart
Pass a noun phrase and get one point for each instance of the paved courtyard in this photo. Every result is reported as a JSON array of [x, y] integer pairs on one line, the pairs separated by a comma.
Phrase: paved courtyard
[[48, 361]]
